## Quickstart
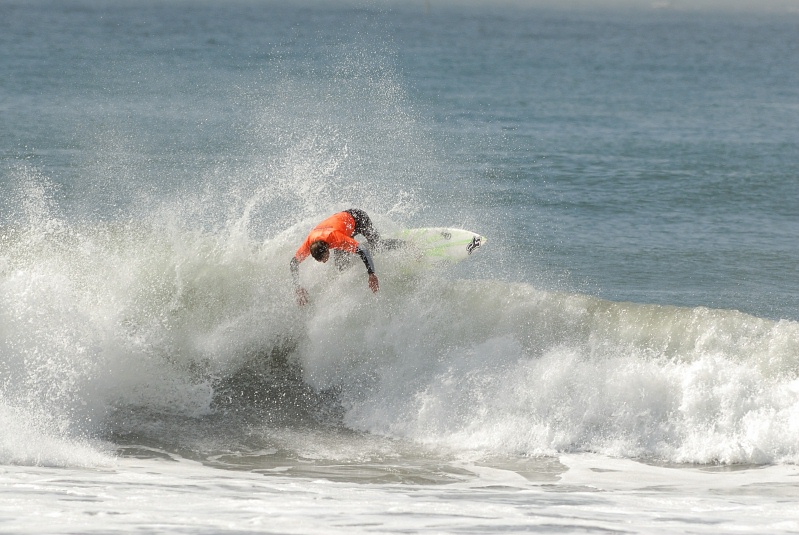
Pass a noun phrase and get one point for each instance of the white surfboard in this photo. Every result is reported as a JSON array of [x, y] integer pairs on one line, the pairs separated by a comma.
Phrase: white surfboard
[[432, 245]]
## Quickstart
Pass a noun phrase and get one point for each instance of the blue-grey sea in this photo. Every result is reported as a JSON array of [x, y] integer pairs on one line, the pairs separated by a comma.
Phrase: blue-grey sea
[[622, 356]]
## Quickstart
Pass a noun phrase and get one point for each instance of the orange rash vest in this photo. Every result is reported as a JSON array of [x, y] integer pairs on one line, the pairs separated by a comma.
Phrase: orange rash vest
[[336, 231]]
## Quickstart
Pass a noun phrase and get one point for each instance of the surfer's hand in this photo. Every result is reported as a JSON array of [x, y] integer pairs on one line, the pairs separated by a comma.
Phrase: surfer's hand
[[374, 284], [302, 296]]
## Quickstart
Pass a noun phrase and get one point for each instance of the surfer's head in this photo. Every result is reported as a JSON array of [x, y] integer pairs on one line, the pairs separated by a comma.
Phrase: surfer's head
[[320, 251]]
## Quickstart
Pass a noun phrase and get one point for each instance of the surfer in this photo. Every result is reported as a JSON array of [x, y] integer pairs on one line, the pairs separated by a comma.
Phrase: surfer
[[337, 232]]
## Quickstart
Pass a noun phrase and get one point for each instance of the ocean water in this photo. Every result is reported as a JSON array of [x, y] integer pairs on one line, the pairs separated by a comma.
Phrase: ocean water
[[622, 356]]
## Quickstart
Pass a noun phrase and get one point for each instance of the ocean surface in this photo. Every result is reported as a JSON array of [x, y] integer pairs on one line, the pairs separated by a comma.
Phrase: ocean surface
[[621, 357]]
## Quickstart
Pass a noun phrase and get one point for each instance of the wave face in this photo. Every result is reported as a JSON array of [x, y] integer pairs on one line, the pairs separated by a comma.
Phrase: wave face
[[530, 372], [104, 324]]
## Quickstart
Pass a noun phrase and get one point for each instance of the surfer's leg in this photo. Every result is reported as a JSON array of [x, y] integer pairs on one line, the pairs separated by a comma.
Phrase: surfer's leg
[[363, 225]]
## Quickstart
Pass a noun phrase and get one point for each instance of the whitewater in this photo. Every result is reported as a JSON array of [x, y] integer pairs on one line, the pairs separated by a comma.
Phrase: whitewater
[[622, 355], [152, 374]]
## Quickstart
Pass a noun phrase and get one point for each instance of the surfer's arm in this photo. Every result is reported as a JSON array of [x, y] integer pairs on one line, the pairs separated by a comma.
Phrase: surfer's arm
[[374, 284], [302, 295], [302, 253], [294, 267], [367, 259]]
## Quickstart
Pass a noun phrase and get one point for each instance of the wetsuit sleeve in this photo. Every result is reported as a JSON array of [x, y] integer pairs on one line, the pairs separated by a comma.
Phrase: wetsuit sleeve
[[294, 266], [302, 253], [367, 259]]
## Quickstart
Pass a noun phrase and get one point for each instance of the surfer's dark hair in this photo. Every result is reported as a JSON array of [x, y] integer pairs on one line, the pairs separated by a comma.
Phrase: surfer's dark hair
[[318, 250]]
